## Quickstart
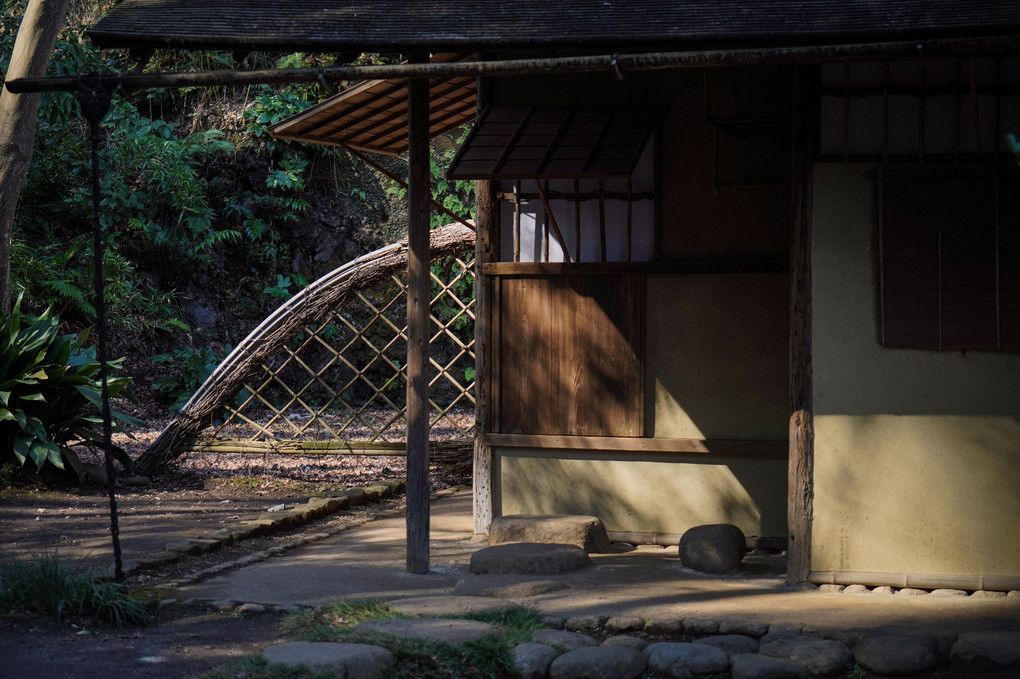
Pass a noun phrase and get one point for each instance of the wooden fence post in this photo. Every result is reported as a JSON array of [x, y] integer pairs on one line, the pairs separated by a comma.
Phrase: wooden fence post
[[418, 325]]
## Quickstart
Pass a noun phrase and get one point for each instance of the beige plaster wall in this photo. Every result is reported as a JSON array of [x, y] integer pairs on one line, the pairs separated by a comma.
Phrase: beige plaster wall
[[658, 493], [717, 348], [916, 452]]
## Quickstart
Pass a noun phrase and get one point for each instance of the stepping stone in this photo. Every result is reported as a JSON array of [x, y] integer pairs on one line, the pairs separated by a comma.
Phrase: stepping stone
[[354, 661], [897, 653], [586, 532], [507, 586], [563, 639], [532, 660], [754, 666], [670, 658], [731, 644], [529, 558], [716, 548], [990, 650], [599, 662], [817, 656], [445, 630], [436, 606]]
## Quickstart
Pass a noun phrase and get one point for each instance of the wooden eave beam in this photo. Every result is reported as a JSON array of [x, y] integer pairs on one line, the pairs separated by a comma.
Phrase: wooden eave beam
[[611, 63]]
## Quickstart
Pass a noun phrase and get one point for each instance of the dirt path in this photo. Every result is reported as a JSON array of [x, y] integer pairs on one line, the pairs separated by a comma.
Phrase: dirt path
[[205, 493]]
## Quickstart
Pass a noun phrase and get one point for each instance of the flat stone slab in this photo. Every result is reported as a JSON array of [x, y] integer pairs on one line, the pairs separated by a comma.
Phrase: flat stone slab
[[435, 606], [353, 661], [529, 558], [445, 630], [506, 586], [586, 532]]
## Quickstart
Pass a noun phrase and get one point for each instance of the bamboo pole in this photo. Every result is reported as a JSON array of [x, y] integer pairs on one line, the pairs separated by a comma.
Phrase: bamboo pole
[[646, 61], [418, 317]]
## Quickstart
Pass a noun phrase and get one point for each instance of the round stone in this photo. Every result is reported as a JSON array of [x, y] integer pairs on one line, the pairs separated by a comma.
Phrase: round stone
[[667, 657], [637, 643], [532, 660], [563, 639], [716, 548], [897, 653], [599, 662], [731, 644], [818, 656], [993, 650], [754, 666]]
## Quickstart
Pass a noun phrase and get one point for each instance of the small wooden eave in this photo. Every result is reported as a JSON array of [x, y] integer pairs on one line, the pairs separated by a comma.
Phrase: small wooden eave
[[372, 116]]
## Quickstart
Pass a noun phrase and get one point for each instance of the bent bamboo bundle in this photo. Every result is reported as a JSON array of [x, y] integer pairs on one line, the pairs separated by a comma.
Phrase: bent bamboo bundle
[[329, 293]]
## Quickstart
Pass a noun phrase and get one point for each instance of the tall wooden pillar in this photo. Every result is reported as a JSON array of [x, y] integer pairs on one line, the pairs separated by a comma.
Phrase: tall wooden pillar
[[418, 320], [800, 477], [486, 250]]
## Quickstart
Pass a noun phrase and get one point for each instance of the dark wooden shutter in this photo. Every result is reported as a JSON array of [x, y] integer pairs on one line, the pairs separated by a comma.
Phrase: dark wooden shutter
[[571, 355], [950, 249]]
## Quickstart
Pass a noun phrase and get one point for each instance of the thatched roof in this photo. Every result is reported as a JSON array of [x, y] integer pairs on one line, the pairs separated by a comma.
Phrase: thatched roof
[[541, 25]]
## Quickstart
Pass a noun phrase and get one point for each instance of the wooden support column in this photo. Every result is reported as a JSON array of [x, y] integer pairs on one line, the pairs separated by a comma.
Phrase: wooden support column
[[418, 319], [486, 250], [801, 462]]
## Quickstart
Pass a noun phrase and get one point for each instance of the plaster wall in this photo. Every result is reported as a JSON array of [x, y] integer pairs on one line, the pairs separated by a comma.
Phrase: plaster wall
[[916, 452], [649, 493]]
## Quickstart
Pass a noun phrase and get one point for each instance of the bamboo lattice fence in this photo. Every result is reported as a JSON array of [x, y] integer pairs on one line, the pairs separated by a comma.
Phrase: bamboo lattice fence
[[325, 373]]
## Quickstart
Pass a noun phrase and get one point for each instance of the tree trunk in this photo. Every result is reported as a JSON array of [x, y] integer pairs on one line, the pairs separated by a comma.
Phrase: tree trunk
[[31, 55]]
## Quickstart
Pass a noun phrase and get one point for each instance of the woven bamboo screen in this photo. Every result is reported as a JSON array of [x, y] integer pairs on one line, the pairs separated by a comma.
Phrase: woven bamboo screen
[[340, 384]]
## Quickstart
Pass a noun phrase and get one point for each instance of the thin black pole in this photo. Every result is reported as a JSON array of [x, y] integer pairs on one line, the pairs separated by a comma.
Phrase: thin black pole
[[95, 102]]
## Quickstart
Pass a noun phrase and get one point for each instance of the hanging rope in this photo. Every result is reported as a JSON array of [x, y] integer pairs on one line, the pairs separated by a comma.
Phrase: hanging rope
[[95, 102]]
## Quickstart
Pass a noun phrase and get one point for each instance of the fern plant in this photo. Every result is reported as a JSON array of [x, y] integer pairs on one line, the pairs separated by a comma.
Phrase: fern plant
[[50, 391]]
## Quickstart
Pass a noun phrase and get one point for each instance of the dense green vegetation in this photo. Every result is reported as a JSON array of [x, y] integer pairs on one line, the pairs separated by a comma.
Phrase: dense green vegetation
[[208, 221], [50, 390]]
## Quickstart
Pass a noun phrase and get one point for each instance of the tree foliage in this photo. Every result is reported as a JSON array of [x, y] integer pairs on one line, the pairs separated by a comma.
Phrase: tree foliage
[[200, 202]]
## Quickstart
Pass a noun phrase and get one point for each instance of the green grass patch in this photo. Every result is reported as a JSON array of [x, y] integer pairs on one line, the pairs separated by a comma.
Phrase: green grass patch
[[49, 586], [486, 658], [324, 622]]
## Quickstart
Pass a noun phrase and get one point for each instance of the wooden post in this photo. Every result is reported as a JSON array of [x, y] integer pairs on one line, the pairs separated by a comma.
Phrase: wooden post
[[801, 463], [487, 226], [418, 320]]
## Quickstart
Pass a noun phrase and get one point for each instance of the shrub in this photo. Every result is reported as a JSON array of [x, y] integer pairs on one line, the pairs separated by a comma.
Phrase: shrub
[[50, 390]]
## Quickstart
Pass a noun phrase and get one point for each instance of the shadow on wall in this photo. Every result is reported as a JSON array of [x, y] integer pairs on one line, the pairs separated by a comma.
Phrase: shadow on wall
[[655, 493]]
